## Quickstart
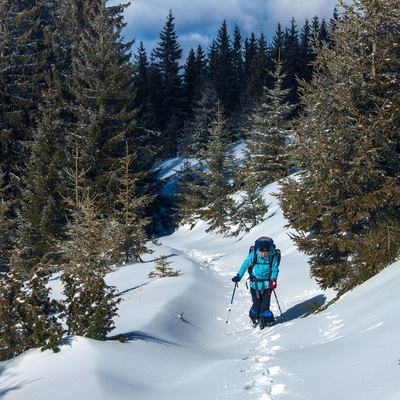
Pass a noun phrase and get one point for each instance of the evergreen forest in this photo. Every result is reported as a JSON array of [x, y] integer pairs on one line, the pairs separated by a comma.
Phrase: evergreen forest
[[84, 123]]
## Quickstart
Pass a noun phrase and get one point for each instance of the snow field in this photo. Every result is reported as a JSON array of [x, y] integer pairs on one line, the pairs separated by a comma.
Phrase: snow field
[[175, 328]]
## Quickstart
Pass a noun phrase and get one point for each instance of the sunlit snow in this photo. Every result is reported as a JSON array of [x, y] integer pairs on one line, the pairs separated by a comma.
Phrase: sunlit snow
[[175, 328]]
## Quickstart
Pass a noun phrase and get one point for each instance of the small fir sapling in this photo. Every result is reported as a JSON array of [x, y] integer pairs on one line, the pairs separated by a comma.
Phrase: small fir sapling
[[162, 269]]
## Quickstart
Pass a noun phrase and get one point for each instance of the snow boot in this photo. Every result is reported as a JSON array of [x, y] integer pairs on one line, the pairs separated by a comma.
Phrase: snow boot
[[255, 319], [267, 319], [254, 322]]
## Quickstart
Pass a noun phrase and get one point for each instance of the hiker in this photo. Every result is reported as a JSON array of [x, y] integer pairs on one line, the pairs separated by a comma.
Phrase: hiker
[[264, 274]]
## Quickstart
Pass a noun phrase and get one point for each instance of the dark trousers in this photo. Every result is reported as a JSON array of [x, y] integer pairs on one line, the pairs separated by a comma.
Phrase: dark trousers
[[261, 303]]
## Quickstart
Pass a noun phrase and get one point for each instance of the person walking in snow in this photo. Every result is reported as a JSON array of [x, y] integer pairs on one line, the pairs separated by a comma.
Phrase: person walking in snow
[[264, 274]]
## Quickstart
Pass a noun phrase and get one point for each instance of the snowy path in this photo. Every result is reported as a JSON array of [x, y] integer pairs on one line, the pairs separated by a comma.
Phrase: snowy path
[[255, 374]]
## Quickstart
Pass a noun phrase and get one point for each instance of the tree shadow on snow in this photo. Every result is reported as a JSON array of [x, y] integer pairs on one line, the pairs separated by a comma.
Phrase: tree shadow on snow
[[271, 215], [155, 259], [138, 335], [130, 289], [303, 309], [4, 389]]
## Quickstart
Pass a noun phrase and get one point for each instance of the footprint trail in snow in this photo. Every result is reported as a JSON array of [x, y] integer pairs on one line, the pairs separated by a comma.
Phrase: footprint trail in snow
[[257, 375]]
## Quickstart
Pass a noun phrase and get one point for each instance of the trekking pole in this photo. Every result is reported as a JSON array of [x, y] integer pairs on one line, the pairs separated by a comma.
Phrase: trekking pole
[[230, 307], [277, 302]]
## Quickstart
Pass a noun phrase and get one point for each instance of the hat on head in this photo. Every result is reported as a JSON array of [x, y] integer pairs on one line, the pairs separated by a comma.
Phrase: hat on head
[[264, 246]]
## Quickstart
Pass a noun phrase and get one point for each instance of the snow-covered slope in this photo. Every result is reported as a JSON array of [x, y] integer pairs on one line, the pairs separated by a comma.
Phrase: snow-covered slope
[[177, 348]]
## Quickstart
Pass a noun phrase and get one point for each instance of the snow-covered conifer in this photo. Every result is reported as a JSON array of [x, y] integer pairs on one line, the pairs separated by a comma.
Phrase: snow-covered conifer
[[219, 177], [267, 139], [87, 257], [130, 222], [345, 203], [28, 316], [163, 270]]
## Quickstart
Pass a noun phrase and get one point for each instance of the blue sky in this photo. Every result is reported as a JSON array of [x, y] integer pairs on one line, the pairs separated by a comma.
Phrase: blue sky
[[198, 21]]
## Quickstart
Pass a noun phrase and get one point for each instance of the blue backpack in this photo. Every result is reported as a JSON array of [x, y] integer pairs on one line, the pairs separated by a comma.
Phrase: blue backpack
[[256, 246]]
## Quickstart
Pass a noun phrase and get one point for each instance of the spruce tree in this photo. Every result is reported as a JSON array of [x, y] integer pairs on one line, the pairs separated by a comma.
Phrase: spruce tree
[[87, 101], [101, 101], [194, 78], [345, 204], [188, 197], [25, 58], [170, 104], [237, 67], [306, 54], [141, 86], [25, 32], [219, 177], [278, 42], [129, 213], [38, 316], [251, 205], [90, 305], [12, 339], [222, 69], [290, 54], [323, 34], [145, 138], [249, 66], [27, 314], [201, 66], [190, 77], [163, 270], [42, 212], [263, 64], [268, 136], [197, 129]]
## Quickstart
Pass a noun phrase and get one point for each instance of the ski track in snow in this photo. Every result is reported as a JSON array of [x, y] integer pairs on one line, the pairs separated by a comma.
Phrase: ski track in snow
[[257, 370]]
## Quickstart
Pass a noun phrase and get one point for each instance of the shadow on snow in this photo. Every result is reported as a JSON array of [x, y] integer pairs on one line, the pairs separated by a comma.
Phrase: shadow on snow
[[303, 309], [138, 335]]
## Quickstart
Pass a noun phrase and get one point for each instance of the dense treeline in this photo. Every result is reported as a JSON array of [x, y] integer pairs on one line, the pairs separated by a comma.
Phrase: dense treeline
[[234, 70], [83, 121], [72, 91]]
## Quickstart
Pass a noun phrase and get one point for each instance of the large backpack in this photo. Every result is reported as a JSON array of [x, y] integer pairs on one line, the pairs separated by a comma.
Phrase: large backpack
[[256, 246]]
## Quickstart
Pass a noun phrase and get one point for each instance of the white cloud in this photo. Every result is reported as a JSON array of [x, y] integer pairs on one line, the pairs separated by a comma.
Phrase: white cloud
[[284, 10], [198, 21]]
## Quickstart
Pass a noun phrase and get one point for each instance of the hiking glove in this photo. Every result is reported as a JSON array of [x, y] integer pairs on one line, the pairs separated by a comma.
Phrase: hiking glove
[[236, 278], [272, 284]]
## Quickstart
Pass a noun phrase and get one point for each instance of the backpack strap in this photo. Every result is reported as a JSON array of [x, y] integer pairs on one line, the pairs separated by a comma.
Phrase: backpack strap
[[253, 278], [263, 288]]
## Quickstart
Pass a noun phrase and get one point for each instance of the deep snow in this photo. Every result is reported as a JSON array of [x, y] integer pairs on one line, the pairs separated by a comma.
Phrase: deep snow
[[177, 348]]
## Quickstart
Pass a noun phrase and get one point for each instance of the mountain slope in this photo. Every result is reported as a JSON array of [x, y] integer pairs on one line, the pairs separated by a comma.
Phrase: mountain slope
[[177, 348]]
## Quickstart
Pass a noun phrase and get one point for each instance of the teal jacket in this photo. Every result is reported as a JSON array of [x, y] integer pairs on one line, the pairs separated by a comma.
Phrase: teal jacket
[[264, 270]]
